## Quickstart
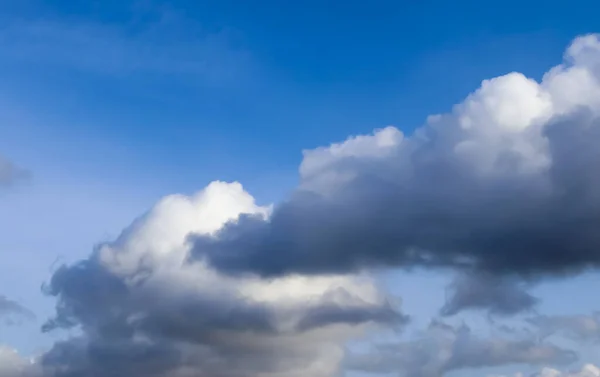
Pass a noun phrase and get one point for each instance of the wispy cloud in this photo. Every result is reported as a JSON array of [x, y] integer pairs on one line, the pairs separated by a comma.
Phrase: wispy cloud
[[443, 348], [167, 43], [10, 173], [12, 310]]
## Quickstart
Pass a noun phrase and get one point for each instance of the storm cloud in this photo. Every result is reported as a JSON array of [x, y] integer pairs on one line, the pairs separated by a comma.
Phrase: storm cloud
[[505, 184]]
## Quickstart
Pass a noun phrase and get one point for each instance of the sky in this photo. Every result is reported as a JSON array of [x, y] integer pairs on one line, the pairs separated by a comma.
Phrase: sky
[[286, 189]]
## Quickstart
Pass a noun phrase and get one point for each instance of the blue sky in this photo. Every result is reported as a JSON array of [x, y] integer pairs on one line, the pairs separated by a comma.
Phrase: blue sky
[[301, 75], [112, 105]]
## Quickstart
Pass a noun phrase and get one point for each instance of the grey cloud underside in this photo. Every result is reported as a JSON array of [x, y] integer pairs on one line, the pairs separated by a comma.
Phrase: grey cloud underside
[[444, 348], [437, 213], [151, 323], [92, 297], [498, 295]]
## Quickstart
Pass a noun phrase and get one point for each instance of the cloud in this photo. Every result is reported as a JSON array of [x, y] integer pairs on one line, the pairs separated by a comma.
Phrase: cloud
[[499, 295], [11, 173], [12, 311], [506, 184], [588, 370], [13, 365], [444, 348], [144, 309], [502, 189], [578, 327], [149, 41]]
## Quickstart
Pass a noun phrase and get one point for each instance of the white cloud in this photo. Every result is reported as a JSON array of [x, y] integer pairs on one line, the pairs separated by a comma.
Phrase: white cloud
[[506, 183], [506, 114], [202, 322], [319, 167], [215, 285]]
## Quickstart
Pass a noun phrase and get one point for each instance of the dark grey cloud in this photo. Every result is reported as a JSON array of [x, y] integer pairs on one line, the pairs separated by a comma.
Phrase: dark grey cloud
[[332, 313], [208, 336], [11, 173], [425, 205], [499, 295], [117, 357], [444, 348], [505, 184]]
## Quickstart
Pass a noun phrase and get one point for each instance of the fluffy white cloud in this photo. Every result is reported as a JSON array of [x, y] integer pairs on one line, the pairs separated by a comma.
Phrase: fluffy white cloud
[[506, 115], [504, 184], [141, 297]]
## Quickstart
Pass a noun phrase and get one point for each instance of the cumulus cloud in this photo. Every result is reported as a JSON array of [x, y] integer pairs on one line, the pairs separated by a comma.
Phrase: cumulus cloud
[[444, 348], [505, 184], [144, 309], [10, 173], [504, 187], [12, 311]]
